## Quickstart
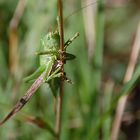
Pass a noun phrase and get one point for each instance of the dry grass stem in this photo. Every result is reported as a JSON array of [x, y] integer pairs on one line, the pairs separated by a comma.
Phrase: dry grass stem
[[128, 75], [13, 36], [89, 22], [60, 96]]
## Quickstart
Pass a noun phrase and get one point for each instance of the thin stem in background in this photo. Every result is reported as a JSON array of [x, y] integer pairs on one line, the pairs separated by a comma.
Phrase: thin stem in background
[[107, 96], [125, 90], [60, 96], [89, 23], [13, 36], [99, 56], [98, 60], [97, 71], [13, 42], [128, 75]]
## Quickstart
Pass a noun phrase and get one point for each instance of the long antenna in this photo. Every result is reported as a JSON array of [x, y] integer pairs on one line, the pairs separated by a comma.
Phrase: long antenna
[[78, 10]]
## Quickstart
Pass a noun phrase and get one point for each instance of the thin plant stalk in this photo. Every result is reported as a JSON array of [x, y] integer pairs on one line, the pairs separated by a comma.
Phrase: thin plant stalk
[[108, 92], [129, 72], [13, 43], [89, 23], [97, 64], [60, 96], [13, 36], [126, 89], [99, 60]]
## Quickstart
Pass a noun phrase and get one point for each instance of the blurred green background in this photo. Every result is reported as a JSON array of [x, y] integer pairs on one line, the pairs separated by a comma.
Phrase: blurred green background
[[102, 50]]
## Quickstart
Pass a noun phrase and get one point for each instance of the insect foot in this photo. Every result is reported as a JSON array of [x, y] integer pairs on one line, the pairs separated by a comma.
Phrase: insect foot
[[65, 78]]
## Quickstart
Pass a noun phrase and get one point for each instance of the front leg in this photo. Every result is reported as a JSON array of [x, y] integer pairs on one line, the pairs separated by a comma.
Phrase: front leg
[[55, 74], [58, 74], [68, 42]]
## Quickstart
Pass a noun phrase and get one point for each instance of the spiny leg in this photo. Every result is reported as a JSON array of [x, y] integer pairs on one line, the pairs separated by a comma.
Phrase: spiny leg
[[55, 74], [68, 42]]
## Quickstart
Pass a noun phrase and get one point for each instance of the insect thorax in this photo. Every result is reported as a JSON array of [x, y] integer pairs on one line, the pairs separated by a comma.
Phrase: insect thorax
[[51, 41], [45, 59]]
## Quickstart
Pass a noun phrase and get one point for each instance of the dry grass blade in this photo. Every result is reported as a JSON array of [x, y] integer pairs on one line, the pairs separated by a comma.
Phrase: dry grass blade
[[20, 104], [39, 122], [128, 75], [89, 20], [13, 36]]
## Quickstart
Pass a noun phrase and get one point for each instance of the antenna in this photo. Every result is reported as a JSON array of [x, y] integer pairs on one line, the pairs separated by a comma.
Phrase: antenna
[[78, 10]]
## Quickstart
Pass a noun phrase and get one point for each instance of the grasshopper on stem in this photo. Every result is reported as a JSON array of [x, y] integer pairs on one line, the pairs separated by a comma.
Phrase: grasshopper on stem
[[50, 65]]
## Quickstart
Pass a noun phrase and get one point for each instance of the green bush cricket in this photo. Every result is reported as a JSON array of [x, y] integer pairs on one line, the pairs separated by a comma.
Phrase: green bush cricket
[[50, 65]]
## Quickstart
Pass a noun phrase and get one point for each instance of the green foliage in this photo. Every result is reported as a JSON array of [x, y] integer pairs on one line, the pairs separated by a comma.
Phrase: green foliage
[[83, 115]]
